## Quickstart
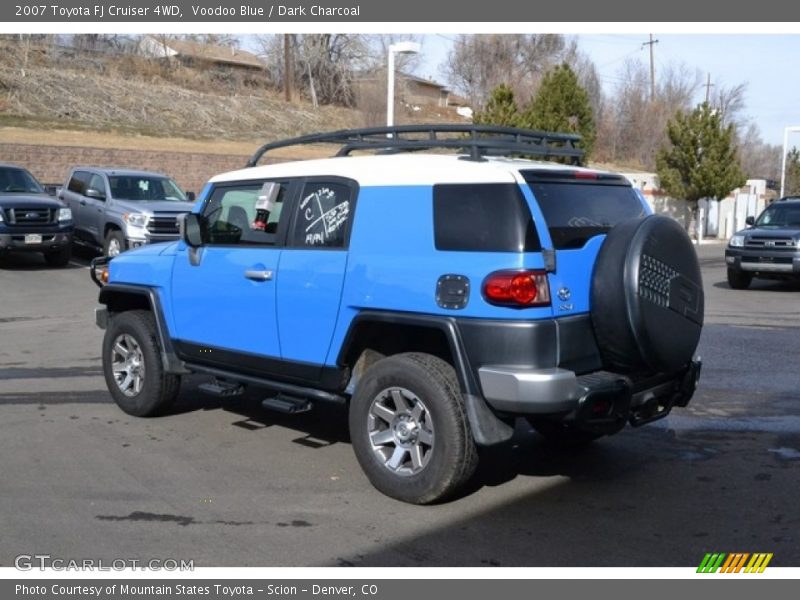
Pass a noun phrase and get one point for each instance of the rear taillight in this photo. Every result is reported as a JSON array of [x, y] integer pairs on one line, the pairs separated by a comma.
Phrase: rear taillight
[[518, 289]]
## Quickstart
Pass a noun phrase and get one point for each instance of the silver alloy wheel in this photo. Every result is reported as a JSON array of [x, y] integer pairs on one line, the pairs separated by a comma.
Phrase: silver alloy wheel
[[400, 431], [113, 247], [127, 365]]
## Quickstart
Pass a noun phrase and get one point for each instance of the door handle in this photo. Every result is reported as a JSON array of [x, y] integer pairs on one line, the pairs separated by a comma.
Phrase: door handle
[[258, 275], [83, 202]]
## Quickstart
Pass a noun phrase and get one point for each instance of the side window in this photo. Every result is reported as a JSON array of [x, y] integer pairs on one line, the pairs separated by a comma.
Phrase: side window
[[482, 217], [79, 182], [233, 216], [323, 213], [96, 183]]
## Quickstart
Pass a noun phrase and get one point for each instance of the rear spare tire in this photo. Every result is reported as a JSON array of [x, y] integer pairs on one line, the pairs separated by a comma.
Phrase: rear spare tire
[[647, 297]]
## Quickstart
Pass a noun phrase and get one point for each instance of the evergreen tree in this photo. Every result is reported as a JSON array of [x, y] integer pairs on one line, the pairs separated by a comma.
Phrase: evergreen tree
[[700, 160], [562, 105], [501, 108]]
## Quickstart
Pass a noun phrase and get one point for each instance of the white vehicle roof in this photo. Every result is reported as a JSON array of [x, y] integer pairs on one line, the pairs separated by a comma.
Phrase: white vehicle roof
[[400, 169]]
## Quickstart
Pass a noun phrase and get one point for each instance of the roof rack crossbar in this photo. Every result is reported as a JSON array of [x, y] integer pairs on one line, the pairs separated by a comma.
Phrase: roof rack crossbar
[[475, 140]]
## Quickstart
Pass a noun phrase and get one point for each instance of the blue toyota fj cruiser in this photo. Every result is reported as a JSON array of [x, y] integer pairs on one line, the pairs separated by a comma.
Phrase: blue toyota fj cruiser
[[440, 296]]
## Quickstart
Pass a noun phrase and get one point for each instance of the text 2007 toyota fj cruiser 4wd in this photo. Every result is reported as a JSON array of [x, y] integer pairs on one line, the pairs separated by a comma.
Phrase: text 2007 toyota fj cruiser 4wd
[[439, 296]]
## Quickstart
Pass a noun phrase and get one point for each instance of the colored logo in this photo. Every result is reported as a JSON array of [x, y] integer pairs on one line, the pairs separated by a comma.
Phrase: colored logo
[[737, 562]]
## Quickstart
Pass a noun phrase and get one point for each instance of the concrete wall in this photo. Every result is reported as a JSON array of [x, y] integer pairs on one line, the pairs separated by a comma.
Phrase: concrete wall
[[50, 164], [720, 218]]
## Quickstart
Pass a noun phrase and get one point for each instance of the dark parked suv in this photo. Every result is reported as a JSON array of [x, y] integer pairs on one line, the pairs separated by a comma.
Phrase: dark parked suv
[[440, 297], [769, 248], [30, 220]]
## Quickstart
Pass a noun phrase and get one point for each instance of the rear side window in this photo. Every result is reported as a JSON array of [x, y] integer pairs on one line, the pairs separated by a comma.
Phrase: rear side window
[[323, 215], [485, 217], [579, 209]]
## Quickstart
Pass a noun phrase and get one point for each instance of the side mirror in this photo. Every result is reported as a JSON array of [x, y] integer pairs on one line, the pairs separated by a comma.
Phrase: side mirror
[[750, 221], [96, 194], [191, 229], [190, 196]]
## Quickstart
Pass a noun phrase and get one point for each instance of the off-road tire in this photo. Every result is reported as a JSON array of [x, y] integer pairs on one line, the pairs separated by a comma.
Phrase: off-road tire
[[135, 331], [739, 280], [58, 258], [453, 456]]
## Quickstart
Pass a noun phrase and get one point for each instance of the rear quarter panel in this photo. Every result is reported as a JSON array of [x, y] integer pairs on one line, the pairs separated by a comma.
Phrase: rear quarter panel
[[393, 263]]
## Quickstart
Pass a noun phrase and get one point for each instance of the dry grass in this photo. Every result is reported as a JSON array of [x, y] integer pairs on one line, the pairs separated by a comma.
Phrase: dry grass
[[59, 97], [118, 94], [93, 101]]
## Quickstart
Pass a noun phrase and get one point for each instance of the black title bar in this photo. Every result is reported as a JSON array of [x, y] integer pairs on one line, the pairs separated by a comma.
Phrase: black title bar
[[385, 11]]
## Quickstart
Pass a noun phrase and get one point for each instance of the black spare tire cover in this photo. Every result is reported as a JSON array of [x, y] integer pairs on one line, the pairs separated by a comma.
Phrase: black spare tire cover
[[647, 296]]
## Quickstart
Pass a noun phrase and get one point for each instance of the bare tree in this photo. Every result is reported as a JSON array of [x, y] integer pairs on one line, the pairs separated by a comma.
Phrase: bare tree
[[477, 64], [731, 102], [759, 159], [634, 127], [102, 42], [377, 47], [324, 64]]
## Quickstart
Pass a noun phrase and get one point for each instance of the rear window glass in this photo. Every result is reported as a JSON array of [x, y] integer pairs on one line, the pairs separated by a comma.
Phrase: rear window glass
[[486, 217], [578, 210]]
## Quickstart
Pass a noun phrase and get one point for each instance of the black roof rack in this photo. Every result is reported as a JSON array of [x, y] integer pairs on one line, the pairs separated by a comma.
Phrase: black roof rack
[[475, 140]]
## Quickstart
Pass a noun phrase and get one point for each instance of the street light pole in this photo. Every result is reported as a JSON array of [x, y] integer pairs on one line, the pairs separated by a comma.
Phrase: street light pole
[[398, 48], [786, 131], [390, 92]]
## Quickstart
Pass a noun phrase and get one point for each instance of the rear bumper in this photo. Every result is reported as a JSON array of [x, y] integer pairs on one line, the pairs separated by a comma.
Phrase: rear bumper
[[602, 401], [529, 391]]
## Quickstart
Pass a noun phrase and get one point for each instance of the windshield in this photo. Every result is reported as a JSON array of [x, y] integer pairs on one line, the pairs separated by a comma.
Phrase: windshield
[[129, 187], [13, 179], [780, 215]]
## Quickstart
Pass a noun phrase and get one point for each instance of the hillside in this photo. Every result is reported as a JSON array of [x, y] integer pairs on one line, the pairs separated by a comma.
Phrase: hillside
[[61, 107], [48, 87], [45, 96]]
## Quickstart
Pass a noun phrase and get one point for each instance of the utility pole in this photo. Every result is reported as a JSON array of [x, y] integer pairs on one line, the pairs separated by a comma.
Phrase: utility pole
[[652, 68], [708, 87], [288, 66]]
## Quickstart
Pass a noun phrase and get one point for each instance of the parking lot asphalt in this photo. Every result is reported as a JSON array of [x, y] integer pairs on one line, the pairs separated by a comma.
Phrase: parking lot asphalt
[[226, 483]]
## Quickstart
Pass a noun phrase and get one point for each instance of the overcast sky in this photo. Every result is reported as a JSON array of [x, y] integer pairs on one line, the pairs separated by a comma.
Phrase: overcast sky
[[766, 63]]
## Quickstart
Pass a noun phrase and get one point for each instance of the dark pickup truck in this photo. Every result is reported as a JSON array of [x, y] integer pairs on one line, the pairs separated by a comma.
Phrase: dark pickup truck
[[32, 221]]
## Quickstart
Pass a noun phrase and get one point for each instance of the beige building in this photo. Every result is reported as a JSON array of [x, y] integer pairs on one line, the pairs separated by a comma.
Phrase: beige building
[[197, 54], [409, 89]]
